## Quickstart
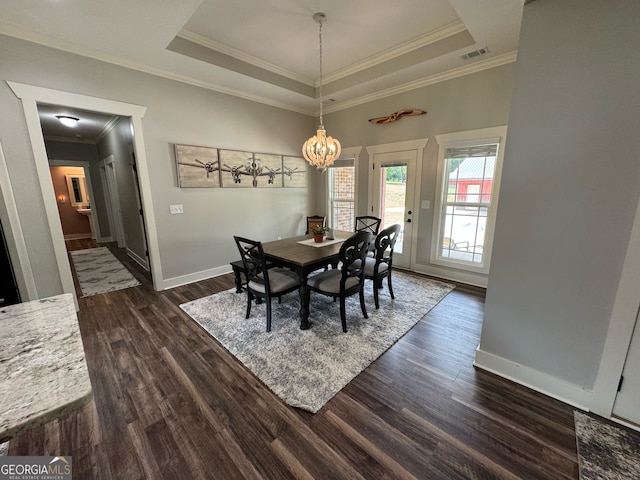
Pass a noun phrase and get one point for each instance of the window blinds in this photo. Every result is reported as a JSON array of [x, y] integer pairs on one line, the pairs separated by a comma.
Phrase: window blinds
[[342, 163], [473, 151]]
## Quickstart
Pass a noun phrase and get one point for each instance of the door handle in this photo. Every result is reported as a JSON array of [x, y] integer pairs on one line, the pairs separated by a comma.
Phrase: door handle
[[408, 220]]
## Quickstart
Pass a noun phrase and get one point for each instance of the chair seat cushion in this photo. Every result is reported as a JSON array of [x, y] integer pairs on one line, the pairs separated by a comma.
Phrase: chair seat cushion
[[280, 279], [329, 281], [369, 265]]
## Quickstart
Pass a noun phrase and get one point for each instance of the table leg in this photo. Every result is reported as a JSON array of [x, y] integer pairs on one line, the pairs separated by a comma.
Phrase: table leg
[[305, 294]]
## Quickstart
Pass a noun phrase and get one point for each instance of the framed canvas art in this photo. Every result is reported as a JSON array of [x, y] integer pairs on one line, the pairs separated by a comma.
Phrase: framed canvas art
[[246, 169], [294, 172], [197, 166]]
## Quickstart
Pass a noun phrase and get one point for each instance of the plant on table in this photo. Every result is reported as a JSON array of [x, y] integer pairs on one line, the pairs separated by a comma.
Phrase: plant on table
[[318, 232]]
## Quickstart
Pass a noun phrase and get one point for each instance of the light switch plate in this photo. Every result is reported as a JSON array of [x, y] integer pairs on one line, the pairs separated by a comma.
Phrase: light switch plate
[[176, 209], [426, 204]]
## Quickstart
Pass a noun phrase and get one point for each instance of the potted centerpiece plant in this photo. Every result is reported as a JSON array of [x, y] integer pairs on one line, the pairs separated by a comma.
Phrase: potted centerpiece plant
[[318, 232]]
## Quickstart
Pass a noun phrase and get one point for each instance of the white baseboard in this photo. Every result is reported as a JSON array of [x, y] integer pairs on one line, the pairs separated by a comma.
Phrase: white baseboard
[[554, 387], [138, 259], [104, 239], [194, 277], [470, 278]]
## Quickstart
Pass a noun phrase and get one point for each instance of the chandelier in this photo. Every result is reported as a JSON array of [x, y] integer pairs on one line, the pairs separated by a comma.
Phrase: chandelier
[[321, 151]]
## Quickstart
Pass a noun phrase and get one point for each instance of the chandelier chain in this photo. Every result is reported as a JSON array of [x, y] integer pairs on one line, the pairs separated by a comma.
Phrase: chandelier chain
[[320, 35], [321, 150]]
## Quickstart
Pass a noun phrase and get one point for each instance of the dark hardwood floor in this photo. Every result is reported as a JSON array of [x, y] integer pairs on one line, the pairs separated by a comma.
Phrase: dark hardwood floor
[[170, 402]]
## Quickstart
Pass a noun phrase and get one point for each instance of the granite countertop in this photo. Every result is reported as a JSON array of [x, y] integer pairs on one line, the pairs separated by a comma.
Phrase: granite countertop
[[43, 372]]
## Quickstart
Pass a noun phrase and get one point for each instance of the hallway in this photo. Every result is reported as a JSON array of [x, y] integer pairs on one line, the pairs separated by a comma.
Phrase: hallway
[[143, 276]]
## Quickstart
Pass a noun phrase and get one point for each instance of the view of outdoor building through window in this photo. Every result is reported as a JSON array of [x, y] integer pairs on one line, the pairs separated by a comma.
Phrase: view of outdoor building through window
[[342, 188], [469, 179], [393, 190]]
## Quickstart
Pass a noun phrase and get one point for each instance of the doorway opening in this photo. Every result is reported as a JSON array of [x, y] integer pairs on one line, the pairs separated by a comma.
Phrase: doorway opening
[[31, 98]]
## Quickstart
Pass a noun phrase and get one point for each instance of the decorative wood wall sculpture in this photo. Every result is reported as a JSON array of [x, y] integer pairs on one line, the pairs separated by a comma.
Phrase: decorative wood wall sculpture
[[214, 168], [397, 115]]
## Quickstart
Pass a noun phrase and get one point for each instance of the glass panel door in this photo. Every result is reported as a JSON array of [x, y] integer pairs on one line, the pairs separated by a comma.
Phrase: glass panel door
[[394, 178], [393, 188]]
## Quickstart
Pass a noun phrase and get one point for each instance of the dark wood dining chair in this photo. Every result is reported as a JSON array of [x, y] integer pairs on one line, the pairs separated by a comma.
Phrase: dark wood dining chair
[[314, 220], [379, 266], [262, 282], [368, 223], [348, 279]]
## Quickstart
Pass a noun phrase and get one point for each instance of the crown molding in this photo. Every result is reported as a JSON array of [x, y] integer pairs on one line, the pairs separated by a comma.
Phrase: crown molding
[[479, 66], [110, 125], [58, 44], [244, 57], [384, 56], [58, 138], [391, 53]]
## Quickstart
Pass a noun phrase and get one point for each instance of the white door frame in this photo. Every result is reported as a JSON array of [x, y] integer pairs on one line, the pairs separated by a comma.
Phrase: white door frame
[[621, 325], [418, 146], [136, 185], [30, 96], [26, 281], [108, 167], [107, 204]]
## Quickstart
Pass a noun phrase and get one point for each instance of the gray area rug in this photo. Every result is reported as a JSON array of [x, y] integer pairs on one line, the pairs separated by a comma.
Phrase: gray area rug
[[306, 368], [99, 271], [605, 451]]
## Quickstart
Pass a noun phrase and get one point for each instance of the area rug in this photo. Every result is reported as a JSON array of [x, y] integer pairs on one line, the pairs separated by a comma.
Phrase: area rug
[[306, 368], [605, 451], [99, 271]]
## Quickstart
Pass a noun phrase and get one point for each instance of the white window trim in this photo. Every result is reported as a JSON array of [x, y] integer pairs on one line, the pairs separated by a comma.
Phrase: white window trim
[[460, 139], [348, 152]]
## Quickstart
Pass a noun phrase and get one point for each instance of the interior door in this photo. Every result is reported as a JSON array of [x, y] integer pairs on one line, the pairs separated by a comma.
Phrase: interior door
[[394, 176], [136, 184], [627, 406]]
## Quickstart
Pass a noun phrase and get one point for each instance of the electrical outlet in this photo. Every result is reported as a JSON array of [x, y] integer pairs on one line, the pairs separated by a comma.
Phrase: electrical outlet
[[176, 209]]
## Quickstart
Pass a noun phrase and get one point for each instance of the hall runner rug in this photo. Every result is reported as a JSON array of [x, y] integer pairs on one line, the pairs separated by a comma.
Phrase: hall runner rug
[[99, 271], [606, 451], [306, 368]]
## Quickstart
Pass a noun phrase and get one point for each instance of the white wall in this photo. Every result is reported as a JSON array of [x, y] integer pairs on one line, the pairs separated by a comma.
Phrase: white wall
[[197, 242], [570, 187]]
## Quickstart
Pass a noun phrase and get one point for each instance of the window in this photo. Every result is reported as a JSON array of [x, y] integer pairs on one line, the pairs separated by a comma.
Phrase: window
[[341, 194], [469, 172]]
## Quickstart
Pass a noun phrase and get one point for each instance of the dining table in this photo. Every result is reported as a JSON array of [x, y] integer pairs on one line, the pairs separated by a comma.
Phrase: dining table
[[304, 256]]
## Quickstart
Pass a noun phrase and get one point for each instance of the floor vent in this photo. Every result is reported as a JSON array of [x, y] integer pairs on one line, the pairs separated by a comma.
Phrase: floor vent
[[475, 53]]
